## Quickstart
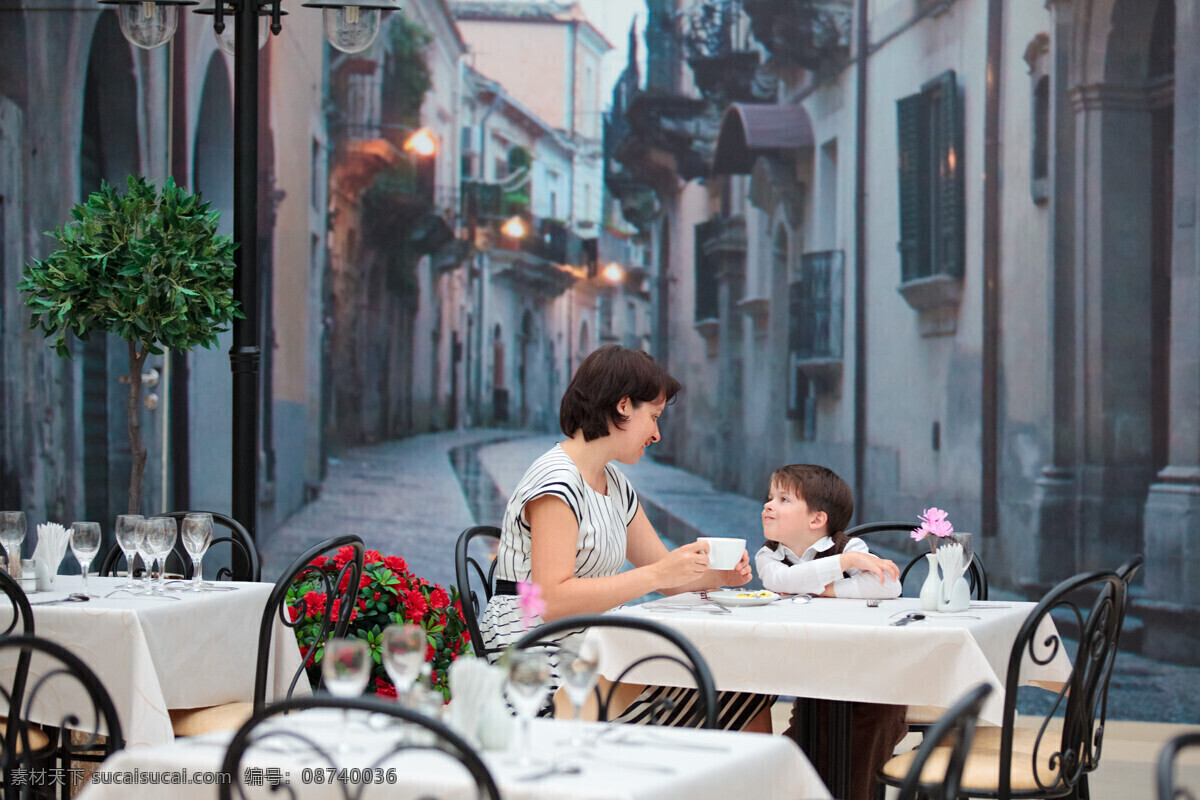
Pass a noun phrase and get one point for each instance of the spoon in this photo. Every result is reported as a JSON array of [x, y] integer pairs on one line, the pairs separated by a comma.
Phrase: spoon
[[802, 599], [74, 597]]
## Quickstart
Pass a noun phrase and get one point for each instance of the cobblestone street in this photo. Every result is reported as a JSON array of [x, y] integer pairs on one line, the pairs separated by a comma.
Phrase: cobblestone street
[[412, 497]]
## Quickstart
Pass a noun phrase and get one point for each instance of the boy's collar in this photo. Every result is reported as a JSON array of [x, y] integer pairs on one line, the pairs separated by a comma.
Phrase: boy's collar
[[822, 544]]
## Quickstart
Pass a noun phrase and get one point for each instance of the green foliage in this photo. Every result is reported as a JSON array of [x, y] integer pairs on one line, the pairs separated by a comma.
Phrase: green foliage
[[146, 266], [407, 76], [387, 594]]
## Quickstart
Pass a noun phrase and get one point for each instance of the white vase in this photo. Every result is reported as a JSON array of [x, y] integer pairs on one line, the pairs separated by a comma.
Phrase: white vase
[[955, 598], [932, 588]]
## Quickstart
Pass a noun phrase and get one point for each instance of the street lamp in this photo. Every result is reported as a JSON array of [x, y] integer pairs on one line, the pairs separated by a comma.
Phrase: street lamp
[[422, 142], [350, 26], [514, 228], [613, 272]]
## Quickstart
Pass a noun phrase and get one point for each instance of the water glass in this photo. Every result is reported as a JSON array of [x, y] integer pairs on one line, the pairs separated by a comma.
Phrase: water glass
[[165, 545], [579, 680], [346, 667], [85, 543], [527, 686], [403, 652], [197, 532], [12, 533], [152, 539], [129, 533]]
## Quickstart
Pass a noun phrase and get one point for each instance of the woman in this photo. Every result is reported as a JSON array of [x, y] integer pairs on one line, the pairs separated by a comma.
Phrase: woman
[[574, 519]]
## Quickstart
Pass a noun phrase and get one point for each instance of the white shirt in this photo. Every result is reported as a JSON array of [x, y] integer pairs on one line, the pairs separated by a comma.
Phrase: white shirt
[[808, 574]]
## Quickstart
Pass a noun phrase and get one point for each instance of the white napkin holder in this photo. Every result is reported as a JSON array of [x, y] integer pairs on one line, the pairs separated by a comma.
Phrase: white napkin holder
[[478, 711], [954, 594], [50, 551]]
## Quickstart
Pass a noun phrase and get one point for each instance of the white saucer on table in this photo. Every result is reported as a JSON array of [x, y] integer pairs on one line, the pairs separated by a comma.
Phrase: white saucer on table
[[740, 597]]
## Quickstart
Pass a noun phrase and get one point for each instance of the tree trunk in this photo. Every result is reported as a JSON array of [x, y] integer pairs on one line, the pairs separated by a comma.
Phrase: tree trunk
[[133, 411]]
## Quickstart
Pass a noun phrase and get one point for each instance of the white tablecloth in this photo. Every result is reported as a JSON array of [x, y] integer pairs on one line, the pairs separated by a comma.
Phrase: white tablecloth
[[156, 654], [840, 649], [653, 764]]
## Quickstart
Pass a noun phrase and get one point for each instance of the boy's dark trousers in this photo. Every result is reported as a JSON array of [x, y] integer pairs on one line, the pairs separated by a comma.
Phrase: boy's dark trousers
[[875, 730]]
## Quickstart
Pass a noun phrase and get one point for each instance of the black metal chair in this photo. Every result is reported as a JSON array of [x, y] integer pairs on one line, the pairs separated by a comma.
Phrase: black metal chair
[[933, 771], [468, 565], [551, 636], [244, 563], [273, 738], [976, 574], [1053, 758], [1168, 789], [191, 722], [90, 733]]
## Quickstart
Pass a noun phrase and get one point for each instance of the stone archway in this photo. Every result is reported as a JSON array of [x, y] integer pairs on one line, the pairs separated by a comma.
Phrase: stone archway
[[1105, 285], [209, 380], [108, 151]]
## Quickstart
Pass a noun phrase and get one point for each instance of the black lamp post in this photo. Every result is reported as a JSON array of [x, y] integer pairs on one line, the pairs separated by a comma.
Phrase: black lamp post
[[350, 26]]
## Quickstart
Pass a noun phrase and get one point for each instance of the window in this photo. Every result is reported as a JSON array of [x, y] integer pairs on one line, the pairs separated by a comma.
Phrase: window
[[930, 128], [815, 307], [706, 272], [1037, 56]]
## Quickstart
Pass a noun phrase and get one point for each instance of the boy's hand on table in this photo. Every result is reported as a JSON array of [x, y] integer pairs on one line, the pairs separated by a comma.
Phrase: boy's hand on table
[[882, 568]]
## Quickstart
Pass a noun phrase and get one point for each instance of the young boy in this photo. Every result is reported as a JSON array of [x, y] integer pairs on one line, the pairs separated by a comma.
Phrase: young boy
[[807, 552]]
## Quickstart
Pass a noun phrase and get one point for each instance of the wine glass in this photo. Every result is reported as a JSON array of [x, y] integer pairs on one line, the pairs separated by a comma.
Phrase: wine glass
[[967, 541], [346, 668], [152, 538], [165, 545], [12, 533], [129, 532], [403, 650], [196, 532], [528, 682], [579, 679], [85, 543]]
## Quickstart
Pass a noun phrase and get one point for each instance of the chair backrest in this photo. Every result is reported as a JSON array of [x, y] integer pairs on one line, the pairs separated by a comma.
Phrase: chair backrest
[[245, 564], [22, 614], [321, 754], [57, 675], [473, 573], [556, 637], [976, 574], [1093, 604], [336, 586], [950, 739], [1167, 789]]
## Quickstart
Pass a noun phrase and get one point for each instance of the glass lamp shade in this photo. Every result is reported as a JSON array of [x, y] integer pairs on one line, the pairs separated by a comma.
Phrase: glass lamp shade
[[351, 29], [147, 24], [225, 37]]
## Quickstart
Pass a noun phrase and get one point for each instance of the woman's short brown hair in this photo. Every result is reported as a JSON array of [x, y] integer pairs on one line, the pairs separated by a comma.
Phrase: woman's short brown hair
[[605, 377], [822, 489]]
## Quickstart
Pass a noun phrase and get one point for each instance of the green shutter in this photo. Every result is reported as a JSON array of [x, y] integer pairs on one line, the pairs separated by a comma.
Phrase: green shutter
[[949, 214], [707, 301], [913, 141]]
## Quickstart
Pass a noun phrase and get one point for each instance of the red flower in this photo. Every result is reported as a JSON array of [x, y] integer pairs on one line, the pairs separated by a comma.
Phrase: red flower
[[415, 605], [430, 652], [314, 603], [337, 607], [362, 606], [372, 557], [365, 581], [438, 598], [384, 688], [294, 613], [319, 561], [344, 556], [396, 564]]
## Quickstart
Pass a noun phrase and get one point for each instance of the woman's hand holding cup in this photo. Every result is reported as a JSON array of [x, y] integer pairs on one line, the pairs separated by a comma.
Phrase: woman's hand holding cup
[[683, 565]]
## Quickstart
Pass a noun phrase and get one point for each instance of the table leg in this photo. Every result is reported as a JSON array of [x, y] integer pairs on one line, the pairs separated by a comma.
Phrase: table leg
[[822, 729]]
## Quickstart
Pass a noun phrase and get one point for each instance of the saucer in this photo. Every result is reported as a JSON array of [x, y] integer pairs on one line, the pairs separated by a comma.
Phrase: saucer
[[736, 597]]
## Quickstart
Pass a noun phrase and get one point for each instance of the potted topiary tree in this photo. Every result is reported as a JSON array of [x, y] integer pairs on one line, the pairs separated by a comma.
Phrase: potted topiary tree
[[146, 266]]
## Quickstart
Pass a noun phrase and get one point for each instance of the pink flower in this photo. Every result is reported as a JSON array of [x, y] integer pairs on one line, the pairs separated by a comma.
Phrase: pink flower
[[529, 597], [933, 523]]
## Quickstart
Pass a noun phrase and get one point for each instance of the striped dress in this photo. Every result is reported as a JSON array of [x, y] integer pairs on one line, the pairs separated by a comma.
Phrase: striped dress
[[600, 552]]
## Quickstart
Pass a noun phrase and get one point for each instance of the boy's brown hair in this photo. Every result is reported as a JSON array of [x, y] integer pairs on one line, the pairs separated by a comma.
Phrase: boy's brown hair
[[823, 490]]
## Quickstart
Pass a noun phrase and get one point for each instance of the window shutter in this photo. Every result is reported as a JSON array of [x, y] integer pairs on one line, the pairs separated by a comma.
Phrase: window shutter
[[913, 144], [949, 149]]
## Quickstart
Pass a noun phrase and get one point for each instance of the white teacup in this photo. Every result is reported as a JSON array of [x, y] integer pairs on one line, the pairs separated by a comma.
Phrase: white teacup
[[723, 553]]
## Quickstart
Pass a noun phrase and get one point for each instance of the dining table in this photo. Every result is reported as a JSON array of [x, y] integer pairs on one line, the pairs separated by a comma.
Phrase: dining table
[[842, 650], [323, 754], [156, 652]]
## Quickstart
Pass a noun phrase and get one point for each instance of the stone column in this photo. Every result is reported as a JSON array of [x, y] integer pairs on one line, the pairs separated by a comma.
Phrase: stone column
[[1172, 511]]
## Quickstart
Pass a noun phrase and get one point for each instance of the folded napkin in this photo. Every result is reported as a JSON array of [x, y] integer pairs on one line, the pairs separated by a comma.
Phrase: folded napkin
[[478, 712], [52, 543]]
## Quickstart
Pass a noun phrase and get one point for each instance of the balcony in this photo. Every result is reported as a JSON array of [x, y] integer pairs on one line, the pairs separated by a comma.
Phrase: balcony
[[811, 34], [714, 38]]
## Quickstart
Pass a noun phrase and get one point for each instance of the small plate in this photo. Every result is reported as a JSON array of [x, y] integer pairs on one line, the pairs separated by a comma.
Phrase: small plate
[[734, 597]]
